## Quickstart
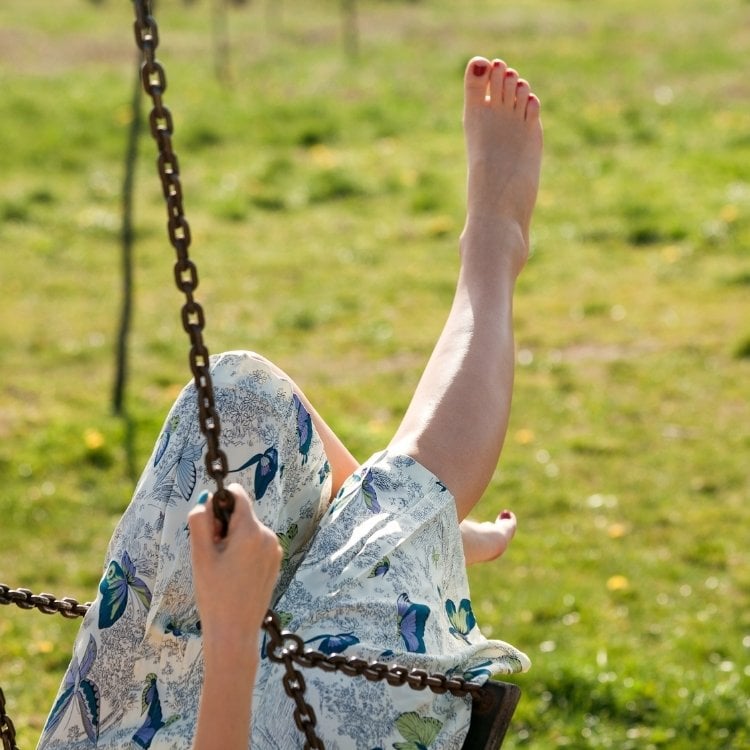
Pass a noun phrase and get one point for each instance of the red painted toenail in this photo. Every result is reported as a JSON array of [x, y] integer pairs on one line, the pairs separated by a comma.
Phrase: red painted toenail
[[479, 69], [496, 64], [506, 514]]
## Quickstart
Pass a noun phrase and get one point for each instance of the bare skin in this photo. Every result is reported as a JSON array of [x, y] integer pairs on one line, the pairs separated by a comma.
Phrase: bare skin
[[482, 541], [458, 417]]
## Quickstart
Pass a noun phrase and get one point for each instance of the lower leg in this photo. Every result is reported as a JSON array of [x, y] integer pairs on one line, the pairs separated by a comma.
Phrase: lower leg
[[457, 419]]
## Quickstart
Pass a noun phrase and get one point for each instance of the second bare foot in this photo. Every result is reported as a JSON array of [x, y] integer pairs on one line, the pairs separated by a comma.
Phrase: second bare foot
[[485, 541]]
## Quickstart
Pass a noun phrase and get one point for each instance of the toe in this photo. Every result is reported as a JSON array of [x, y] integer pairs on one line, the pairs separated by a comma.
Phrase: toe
[[523, 91], [476, 78], [510, 81], [533, 107], [497, 76]]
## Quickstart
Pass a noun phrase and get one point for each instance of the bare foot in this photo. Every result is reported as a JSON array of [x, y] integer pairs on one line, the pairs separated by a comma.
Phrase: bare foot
[[487, 541], [504, 151]]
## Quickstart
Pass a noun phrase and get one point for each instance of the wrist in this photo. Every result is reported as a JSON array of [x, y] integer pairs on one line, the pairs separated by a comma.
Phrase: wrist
[[225, 648]]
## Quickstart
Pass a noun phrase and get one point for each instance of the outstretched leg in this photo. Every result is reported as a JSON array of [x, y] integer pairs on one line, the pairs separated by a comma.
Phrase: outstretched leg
[[458, 417]]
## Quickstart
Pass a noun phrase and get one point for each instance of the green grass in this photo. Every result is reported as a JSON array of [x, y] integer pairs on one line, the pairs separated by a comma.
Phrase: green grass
[[325, 198]]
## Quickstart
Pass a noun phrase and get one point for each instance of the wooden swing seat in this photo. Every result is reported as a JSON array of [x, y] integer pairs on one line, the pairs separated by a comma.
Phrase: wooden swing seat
[[491, 715]]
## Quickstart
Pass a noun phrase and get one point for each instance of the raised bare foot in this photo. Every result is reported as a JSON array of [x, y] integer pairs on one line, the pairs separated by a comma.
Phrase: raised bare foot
[[487, 541], [504, 150]]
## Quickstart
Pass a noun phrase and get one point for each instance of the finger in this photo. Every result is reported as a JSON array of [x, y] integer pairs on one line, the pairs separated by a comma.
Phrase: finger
[[244, 518], [244, 512], [201, 524]]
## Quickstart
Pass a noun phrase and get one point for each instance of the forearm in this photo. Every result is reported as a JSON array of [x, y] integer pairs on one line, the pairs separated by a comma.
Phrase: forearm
[[226, 700]]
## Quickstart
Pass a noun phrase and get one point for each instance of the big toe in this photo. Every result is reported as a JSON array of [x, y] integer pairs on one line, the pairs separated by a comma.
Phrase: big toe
[[476, 79]]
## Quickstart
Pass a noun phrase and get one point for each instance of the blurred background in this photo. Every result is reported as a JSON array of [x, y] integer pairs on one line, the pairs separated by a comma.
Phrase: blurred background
[[322, 164]]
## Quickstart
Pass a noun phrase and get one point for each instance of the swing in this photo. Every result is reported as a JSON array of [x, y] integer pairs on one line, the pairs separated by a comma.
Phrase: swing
[[492, 703]]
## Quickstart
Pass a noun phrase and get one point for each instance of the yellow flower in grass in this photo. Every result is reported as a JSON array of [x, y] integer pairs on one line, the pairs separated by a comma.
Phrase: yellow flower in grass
[[93, 439], [524, 436], [322, 156], [616, 531], [439, 226], [729, 213], [618, 583]]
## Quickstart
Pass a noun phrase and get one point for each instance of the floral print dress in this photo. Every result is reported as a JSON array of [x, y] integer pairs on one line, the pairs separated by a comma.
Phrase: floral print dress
[[378, 572]]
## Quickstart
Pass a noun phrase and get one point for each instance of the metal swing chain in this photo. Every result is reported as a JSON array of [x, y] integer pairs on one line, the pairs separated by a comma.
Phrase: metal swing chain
[[285, 648], [282, 648], [7, 730], [154, 81]]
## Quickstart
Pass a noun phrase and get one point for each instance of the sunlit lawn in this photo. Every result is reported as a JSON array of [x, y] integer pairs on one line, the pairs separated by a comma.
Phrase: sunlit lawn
[[325, 197]]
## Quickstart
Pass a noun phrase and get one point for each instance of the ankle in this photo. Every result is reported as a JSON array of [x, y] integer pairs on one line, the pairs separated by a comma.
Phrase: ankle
[[499, 245]]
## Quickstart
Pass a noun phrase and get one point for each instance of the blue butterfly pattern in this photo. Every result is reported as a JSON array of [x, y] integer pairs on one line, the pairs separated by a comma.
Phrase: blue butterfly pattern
[[151, 706], [334, 644], [304, 428], [76, 685], [462, 619], [411, 622], [265, 471], [161, 446], [119, 580], [381, 568], [163, 442], [369, 494], [482, 670]]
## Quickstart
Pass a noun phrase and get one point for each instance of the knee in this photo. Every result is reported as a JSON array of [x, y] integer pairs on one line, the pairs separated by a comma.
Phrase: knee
[[229, 366]]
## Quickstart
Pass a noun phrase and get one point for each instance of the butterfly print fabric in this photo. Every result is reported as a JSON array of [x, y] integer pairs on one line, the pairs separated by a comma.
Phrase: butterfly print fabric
[[378, 572]]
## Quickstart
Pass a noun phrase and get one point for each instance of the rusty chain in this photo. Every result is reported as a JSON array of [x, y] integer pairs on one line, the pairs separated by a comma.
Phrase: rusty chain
[[7, 730], [283, 647], [154, 79], [47, 603]]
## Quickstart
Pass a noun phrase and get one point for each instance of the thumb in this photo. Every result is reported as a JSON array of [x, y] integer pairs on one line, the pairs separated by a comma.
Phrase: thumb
[[201, 524]]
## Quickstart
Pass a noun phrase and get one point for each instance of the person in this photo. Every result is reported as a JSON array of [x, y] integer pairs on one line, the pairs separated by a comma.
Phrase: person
[[373, 555]]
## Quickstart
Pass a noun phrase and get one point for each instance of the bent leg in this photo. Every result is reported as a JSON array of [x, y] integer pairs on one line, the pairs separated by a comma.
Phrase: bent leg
[[136, 670], [458, 417]]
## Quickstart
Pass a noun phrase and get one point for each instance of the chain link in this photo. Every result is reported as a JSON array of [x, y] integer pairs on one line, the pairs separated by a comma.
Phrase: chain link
[[283, 647], [47, 603], [154, 79], [7, 730]]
